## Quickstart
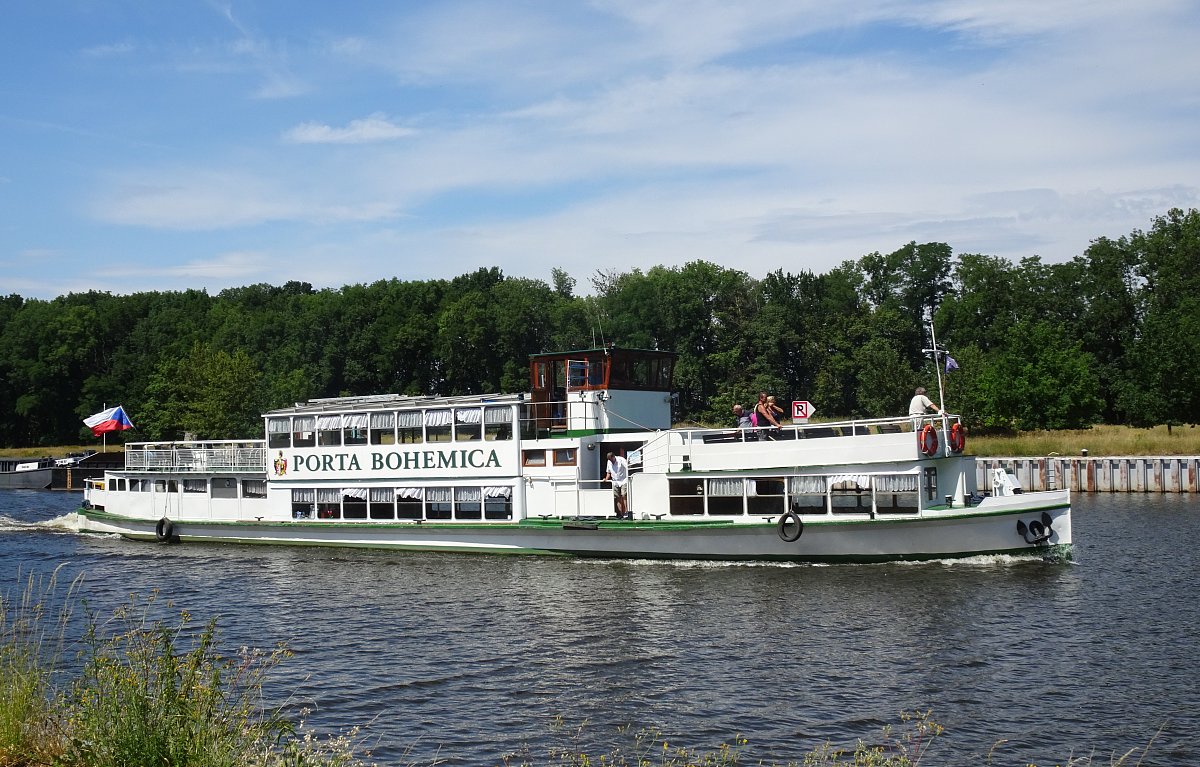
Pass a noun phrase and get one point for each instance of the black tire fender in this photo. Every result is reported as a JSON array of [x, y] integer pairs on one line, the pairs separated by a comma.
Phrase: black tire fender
[[788, 520], [164, 531]]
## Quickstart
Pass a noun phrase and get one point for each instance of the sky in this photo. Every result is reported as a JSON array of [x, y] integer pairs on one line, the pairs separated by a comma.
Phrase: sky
[[150, 145]]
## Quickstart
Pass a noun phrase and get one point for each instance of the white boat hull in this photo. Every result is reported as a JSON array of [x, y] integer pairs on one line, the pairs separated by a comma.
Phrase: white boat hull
[[991, 528]]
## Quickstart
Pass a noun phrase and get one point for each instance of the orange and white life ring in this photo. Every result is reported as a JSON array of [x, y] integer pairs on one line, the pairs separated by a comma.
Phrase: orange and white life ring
[[957, 438], [927, 440]]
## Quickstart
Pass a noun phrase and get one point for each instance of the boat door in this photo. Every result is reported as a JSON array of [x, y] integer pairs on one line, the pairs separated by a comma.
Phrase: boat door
[[548, 392]]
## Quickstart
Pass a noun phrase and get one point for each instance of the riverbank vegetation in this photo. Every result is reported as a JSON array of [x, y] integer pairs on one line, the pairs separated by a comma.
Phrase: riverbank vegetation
[[149, 685], [1108, 337]]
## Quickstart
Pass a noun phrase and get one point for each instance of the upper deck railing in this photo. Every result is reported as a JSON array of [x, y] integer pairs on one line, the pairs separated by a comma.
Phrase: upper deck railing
[[200, 457]]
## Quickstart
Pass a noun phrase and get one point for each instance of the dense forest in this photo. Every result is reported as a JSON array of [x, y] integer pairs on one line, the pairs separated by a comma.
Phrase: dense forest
[[1112, 336]]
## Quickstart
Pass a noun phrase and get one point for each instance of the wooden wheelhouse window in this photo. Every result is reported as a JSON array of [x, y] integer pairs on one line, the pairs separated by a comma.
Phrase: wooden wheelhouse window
[[564, 456]]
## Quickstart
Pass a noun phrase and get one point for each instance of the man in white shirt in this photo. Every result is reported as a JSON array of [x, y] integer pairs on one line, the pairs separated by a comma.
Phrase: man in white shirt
[[618, 474], [920, 403]]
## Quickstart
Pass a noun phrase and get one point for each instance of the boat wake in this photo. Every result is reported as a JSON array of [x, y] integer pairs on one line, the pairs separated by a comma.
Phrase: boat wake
[[67, 523]]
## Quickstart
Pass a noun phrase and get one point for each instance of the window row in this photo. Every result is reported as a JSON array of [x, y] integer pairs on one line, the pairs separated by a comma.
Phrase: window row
[[406, 427], [221, 487], [403, 503], [844, 493]]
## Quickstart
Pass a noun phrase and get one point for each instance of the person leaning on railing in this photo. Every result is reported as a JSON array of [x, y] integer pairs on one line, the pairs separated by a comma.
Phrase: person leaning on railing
[[921, 403]]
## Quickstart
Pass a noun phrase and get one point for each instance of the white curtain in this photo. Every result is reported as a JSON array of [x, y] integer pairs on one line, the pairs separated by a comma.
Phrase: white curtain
[[438, 494], [726, 487], [498, 492], [355, 421], [383, 420], [278, 425], [329, 495], [409, 492], [409, 419], [382, 495], [468, 415], [468, 494], [497, 415], [807, 485], [304, 496], [437, 417], [355, 492], [329, 422], [304, 423], [896, 483]]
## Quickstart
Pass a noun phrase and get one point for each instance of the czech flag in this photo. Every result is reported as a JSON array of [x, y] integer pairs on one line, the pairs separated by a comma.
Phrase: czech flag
[[113, 419]]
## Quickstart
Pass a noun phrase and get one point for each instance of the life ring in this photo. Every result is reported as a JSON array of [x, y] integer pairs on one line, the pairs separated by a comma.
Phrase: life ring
[[790, 519], [957, 438], [164, 531], [927, 440]]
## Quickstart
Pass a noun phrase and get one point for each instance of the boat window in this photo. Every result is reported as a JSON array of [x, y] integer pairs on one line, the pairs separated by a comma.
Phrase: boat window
[[354, 503], [354, 429], [382, 503], [329, 503], [497, 502], [896, 493], [121, 484], [497, 423], [409, 503], [930, 483], [468, 503], [765, 496], [254, 488], [437, 425], [383, 428], [806, 495], [279, 432], [409, 429], [564, 456], [687, 496], [329, 430], [172, 486], [439, 503], [160, 486], [725, 496], [468, 423], [577, 374], [304, 503], [533, 457], [304, 428], [849, 493]]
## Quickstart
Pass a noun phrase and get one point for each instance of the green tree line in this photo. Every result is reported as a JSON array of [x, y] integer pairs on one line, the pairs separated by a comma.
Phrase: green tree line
[[1111, 336]]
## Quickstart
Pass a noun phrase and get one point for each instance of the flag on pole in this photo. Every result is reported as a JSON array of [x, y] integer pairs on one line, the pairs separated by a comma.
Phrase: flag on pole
[[113, 419], [950, 364]]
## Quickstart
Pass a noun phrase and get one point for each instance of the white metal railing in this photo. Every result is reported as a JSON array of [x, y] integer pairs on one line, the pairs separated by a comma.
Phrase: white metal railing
[[199, 457]]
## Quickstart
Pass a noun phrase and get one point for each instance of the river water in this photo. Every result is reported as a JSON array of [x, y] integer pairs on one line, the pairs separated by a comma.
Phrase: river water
[[463, 659]]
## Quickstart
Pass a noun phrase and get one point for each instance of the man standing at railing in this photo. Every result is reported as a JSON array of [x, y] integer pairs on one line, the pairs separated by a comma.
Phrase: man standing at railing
[[920, 403], [618, 474]]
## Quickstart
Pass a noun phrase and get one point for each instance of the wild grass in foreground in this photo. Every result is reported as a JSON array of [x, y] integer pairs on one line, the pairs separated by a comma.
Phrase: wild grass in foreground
[[154, 691], [148, 692]]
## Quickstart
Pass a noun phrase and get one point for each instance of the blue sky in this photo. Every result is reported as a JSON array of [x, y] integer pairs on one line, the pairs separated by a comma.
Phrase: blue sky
[[171, 145]]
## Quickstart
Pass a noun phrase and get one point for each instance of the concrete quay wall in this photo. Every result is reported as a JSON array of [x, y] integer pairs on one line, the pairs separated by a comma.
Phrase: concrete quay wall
[[1131, 474]]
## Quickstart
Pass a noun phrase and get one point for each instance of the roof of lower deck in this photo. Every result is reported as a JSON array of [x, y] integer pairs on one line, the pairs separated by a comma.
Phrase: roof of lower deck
[[393, 402]]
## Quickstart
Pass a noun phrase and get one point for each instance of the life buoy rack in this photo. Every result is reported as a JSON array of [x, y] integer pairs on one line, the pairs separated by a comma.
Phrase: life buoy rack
[[164, 531], [927, 439], [790, 527], [957, 438]]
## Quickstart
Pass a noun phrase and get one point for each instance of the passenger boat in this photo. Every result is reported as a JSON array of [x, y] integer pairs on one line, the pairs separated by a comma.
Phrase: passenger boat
[[524, 474]]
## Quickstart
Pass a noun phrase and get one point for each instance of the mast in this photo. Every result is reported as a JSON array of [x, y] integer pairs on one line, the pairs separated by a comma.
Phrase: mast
[[937, 353]]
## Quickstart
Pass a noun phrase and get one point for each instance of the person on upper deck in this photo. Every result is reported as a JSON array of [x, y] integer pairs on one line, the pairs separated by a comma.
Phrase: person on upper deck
[[742, 421], [920, 403], [766, 416], [780, 413]]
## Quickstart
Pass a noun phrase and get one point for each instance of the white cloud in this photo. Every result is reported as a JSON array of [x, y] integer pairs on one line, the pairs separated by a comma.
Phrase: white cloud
[[368, 130]]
